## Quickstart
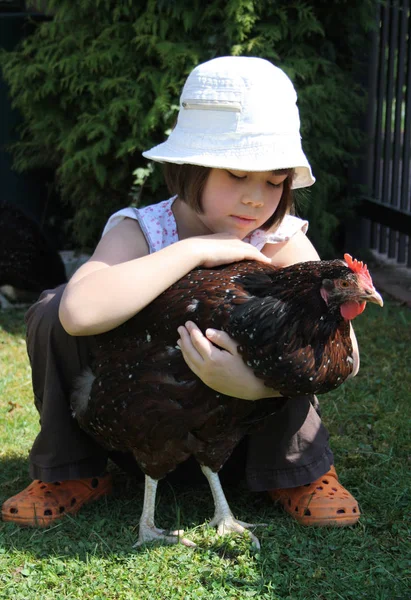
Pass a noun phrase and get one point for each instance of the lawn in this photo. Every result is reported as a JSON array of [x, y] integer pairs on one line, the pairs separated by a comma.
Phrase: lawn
[[91, 556]]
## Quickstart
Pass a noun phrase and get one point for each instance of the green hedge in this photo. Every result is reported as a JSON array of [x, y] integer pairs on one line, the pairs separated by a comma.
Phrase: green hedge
[[100, 83]]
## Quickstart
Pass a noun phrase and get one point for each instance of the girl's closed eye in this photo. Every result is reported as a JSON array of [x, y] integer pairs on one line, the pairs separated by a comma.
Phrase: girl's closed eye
[[237, 175], [275, 185], [242, 176]]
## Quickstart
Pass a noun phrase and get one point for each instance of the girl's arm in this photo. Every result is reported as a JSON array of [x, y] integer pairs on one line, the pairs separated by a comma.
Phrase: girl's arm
[[297, 249], [121, 278], [222, 368], [300, 249]]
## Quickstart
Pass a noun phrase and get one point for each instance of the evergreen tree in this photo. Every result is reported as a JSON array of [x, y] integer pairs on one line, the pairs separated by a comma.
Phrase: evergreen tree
[[100, 83]]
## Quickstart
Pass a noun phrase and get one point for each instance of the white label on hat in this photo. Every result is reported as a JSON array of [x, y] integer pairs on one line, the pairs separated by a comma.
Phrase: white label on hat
[[211, 105]]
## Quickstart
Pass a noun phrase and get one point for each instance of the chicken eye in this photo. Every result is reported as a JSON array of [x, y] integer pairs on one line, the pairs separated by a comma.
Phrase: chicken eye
[[344, 284]]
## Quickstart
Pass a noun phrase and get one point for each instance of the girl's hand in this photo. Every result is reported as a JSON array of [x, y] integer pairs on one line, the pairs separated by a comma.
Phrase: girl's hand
[[224, 248], [222, 369]]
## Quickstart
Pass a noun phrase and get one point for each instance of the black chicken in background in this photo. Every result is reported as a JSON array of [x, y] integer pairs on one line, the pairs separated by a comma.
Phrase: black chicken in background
[[28, 262]]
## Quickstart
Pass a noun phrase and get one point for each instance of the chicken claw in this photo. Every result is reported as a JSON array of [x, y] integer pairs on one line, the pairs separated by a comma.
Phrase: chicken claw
[[229, 524], [148, 532], [154, 534], [223, 517]]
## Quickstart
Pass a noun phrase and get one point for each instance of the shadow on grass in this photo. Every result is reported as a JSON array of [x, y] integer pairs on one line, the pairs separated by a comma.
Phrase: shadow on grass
[[110, 526], [12, 321]]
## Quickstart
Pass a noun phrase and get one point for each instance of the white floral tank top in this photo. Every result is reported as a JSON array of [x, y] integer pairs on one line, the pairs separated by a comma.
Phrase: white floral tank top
[[160, 229]]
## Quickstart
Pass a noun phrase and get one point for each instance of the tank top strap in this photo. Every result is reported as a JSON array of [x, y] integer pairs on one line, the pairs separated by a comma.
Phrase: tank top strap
[[157, 223]]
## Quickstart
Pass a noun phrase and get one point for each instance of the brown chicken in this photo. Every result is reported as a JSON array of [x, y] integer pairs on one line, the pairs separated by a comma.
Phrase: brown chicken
[[292, 328]]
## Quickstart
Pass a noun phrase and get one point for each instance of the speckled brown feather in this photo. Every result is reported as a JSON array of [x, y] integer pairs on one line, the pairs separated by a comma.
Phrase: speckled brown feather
[[146, 400]]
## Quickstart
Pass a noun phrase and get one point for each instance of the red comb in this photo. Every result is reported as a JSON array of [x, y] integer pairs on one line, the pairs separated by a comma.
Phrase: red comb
[[357, 266]]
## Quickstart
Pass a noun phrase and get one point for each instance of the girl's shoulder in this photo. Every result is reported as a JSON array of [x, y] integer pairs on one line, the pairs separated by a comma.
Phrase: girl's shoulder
[[156, 222], [288, 227]]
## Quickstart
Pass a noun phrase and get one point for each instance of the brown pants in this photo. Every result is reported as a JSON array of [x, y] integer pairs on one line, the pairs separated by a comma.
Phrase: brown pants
[[291, 450]]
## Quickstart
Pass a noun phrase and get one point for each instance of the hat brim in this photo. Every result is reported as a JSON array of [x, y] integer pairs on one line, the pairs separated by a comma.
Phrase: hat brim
[[240, 159]]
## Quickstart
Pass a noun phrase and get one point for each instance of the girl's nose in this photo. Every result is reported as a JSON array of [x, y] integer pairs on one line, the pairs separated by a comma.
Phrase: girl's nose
[[254, 199]]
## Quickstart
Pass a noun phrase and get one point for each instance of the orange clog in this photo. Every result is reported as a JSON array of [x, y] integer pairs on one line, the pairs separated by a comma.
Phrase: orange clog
[[40, 504], [324, 502]]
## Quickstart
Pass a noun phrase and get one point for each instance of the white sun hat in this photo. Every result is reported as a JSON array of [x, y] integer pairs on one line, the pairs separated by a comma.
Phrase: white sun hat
[[237, 113]]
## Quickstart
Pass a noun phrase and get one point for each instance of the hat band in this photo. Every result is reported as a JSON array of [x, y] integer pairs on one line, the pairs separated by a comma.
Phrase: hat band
[[234, 141]]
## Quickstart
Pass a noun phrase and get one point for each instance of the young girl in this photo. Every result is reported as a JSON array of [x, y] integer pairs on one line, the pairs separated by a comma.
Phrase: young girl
[[231, 163]]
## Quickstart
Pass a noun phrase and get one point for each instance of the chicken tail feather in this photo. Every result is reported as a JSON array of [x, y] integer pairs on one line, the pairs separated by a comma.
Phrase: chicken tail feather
[[81, 392]]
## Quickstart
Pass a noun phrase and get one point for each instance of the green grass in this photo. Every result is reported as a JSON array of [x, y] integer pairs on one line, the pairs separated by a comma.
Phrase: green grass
[[92, 555]]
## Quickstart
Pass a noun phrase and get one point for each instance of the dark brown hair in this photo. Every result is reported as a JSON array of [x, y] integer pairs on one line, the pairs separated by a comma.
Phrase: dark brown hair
[[188, 181]]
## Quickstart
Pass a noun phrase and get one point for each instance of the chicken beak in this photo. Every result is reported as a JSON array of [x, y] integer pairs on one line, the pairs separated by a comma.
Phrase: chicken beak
[[374, 297]]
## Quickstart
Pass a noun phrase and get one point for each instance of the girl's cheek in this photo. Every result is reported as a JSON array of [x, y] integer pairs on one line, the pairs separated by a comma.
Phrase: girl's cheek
[[278, 197]]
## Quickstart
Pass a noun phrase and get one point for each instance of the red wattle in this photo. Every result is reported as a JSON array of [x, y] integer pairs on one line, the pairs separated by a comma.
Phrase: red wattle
[[350, 310]]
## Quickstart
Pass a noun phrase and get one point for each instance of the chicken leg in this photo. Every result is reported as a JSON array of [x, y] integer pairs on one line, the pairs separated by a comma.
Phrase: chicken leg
[[223, 517], [148, 532]]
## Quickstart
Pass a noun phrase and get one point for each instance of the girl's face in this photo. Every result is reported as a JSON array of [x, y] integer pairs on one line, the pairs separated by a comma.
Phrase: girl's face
[[238, 202]]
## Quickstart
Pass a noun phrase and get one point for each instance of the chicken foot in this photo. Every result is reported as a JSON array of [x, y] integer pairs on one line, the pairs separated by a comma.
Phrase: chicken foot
[[148, 532], [223, 518]]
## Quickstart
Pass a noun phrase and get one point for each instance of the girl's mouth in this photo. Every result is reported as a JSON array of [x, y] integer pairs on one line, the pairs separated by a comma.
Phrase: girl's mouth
[[243, 220]]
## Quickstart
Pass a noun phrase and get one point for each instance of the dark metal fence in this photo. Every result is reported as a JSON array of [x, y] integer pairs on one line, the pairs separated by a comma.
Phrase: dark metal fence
[[387, 208]]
